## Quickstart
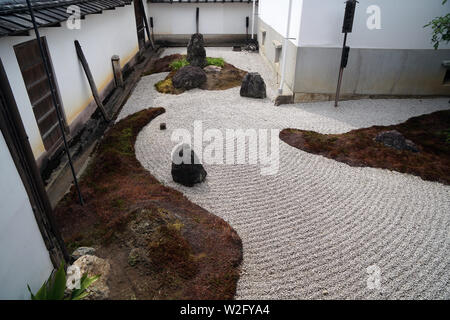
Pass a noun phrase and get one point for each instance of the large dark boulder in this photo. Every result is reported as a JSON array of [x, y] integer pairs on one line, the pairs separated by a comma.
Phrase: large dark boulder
[[395, 139], [253, 86], [187, 170], [196, 54], [189, 77]]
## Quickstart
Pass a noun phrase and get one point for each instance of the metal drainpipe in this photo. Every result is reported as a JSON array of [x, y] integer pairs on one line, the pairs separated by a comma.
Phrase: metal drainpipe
[[286, 39], [253, 20]]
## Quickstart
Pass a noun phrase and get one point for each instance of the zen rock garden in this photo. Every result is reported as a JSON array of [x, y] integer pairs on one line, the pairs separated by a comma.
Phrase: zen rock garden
[[196, 70]]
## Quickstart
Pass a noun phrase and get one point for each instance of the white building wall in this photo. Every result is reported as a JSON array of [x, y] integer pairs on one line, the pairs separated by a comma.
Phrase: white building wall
[[319, 23], [101, 36], [275, 13], [24, 257], [215, 18], [402, 24]]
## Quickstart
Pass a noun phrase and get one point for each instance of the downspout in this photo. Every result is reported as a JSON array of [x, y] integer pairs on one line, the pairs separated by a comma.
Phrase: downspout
[[286, 39], [253, 20]]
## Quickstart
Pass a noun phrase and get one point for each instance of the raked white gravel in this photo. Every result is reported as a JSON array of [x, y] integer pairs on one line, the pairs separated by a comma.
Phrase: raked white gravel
[[312, 230]]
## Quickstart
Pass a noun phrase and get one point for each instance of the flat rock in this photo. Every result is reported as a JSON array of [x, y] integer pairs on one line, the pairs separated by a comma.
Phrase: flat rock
[[253, 86], [82, 251], [189, 77], [212, 69], [395, 139], [93, 266], [187, 170]]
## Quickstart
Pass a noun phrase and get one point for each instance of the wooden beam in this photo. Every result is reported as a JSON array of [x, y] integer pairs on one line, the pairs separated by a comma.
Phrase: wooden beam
[[88, 73]]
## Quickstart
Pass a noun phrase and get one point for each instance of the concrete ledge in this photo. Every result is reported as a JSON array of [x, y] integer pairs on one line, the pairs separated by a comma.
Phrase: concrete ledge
[[300, 97], [277, 44]]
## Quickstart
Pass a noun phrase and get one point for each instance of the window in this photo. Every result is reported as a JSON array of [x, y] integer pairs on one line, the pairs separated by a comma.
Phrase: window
[[36, 82]]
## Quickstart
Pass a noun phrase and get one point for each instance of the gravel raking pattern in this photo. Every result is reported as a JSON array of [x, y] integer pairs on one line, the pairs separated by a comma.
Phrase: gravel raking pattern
[[311, 230]]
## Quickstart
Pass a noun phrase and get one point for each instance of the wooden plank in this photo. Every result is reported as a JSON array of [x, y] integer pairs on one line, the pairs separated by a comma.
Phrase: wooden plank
[[5, 23], [91, 81], [27, 18]]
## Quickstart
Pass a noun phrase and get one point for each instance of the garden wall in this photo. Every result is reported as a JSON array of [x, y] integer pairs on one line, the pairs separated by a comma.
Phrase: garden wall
[[220, 23]]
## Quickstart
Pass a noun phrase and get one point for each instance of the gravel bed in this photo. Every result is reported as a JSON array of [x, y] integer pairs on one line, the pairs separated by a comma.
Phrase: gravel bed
[[311, 230]]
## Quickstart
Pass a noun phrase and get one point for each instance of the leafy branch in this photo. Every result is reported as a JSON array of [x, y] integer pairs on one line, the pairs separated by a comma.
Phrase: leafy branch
[[441, 29], [55, 287]]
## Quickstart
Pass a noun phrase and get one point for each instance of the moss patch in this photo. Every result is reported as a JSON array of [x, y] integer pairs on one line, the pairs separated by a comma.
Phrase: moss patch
[[229, 77], [152, 235], [358, 148], [162, 64]]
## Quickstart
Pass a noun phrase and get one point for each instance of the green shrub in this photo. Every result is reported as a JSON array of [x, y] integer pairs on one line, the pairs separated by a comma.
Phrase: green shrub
[[219, 62], [441, 29], [54, 288]]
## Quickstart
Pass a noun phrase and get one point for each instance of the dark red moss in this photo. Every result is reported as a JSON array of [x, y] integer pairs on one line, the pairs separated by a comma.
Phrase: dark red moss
[[430, 133]]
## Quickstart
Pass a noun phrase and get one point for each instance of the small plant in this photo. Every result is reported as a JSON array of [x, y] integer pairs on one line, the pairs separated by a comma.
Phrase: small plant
[[219, 62], [55, 287], [441, 29], [178, 64], [446, 134]]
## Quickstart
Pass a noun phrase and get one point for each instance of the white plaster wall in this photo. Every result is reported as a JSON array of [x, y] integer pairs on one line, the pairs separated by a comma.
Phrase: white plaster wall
[[402, 24], [275, 13], [101, 36], [215, 18], [24, 257]]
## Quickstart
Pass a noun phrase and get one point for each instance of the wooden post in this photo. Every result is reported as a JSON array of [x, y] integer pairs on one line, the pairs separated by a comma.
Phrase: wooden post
[[146, 25], [115, 61], [197, 17], [91, 80]]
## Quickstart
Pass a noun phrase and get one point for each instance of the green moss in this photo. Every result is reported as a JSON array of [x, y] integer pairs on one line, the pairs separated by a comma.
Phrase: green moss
[[178, 64], [118, 203], [165, 86], [219, 62]]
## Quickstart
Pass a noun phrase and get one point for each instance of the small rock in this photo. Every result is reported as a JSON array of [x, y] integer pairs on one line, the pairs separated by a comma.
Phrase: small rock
[[82, 251], [325, 292], [93, 266], [252, 45], [196, 53], [395, 139], [187, 170], [253, 86], [133, 257], [162, 126], [212, 69], [189, 77]]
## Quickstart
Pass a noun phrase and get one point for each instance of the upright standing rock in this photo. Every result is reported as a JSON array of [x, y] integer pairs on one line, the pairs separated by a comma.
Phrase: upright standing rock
[[196, 54], [253, 86], [187, 170]]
